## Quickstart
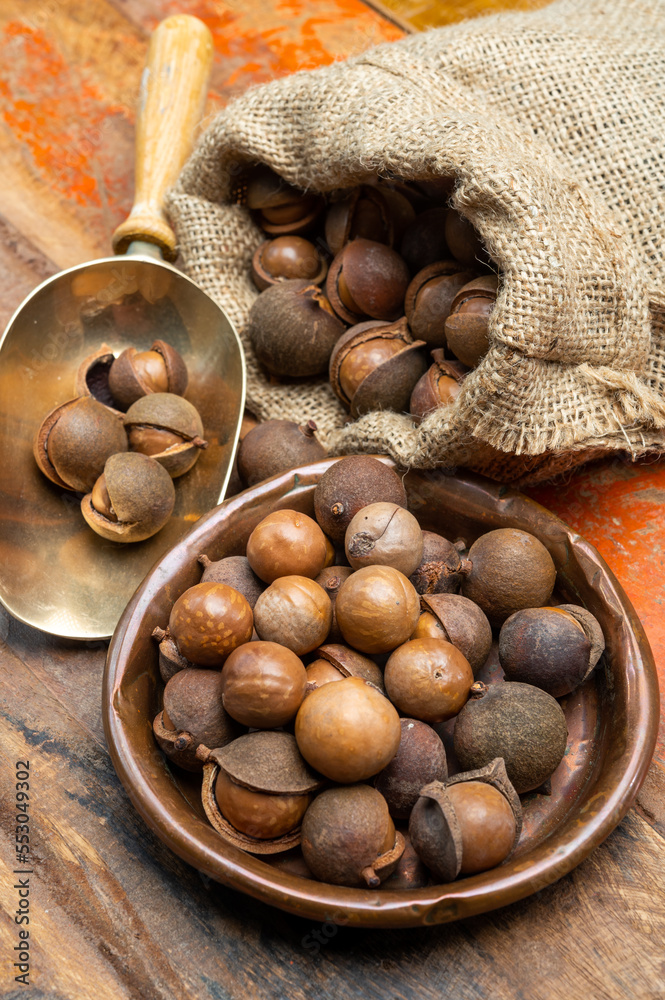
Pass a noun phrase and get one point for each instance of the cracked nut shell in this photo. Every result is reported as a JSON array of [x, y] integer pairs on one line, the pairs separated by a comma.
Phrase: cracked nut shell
[[168, 428], [375, 366], [74, 441], [384, 534], [132, 499], [134, 373]]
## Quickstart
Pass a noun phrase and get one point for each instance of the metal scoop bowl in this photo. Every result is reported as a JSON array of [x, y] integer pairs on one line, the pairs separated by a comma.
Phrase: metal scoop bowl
[[55, 573]]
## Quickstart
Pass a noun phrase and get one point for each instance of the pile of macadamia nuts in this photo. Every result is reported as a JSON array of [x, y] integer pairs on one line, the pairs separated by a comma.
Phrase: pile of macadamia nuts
[[384, 286], [311, 681], [123, 439]]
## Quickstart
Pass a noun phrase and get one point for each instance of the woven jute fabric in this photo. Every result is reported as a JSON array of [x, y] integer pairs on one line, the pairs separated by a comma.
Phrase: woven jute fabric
[[552, 123]]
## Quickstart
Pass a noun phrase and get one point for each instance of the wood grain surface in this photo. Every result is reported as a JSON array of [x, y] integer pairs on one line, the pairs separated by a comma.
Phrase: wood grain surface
[[113, 913]]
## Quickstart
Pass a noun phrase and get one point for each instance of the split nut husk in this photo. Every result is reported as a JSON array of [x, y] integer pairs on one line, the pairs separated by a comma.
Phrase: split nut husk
[[132, 500], [440, 570], [361, 213], [367, 279], [375, 366], [168, 428], [459, 621], [429, 299], [348, 837], [75, 440], [256, 790], [555, 649], [336, 661], [439, 386], [92, 377], [468, 823]]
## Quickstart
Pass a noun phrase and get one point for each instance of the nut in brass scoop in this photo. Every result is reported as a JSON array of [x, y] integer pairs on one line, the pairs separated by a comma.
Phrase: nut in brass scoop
[[55, 573]]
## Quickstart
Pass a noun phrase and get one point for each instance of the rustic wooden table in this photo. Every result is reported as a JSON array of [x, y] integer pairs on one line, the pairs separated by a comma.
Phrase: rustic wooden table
[[113, 914]]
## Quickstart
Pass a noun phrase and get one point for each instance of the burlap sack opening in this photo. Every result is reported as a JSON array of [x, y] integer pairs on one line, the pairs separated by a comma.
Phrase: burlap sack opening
[[552, 123]]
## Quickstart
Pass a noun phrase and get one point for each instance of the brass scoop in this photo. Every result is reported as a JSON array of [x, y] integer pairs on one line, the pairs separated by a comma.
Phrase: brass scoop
[[55, 573]]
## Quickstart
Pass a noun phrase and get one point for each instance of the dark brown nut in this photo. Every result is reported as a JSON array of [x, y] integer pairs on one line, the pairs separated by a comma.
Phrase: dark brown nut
[[428, 679], [463, 241], [168, 428], [208, 621], [439, 386], [467, 823], [420, 758], [170, 660], [331, 579], [384, 534], [293, 329], [279, 208], [263, 685], [92, 377], [555, 649], [295, 612], [466, 326], [268, 767], [350, 663], [348, 731], [375, 366], [236, 572], [367, 279], [274, 447], [348, 837], [518, 722], [138, 373], [348, 486], [510, 570], [377, 609], [74, 441], [424, 242], [286, 258], [429, 300], [440, 567], [132, 499], [362, 212], [193, 714], [286, 543], [459, 621]]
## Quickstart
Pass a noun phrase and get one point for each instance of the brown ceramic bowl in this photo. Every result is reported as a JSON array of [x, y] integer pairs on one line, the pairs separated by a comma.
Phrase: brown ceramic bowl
[[612, 719]]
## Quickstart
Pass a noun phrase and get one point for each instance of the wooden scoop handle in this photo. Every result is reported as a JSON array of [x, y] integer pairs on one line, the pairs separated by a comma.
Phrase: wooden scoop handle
[[173, 92]]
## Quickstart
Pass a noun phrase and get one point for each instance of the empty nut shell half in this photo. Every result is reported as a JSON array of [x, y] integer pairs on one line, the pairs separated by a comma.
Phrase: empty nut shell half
[[375, 366], [168, 428], [132, 500], [437, 832], [463, 624], [138, 373], [74, 441], [92, 378]]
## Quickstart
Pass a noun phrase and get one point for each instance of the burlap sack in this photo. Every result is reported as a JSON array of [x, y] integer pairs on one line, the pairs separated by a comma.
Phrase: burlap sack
[[553, 124]]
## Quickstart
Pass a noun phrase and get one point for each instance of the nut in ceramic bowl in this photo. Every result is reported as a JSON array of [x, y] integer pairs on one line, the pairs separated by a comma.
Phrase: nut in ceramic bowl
[[591, 791]]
